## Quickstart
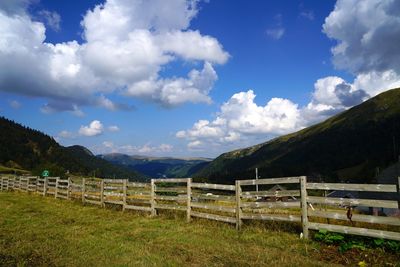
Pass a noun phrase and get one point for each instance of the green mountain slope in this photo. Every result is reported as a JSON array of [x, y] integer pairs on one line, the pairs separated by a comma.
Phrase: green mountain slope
[[349, 146], [29, 149], [158, 166]]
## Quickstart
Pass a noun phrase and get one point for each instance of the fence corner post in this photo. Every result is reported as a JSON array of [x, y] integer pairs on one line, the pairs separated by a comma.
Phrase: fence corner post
[[124, 193], [238, 192], [83, 190], [189, 199], [152, 201], [304, 209]]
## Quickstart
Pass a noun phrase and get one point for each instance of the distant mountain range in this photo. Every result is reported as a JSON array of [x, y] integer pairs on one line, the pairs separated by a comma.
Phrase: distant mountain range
[[29, 149], [352, 146], [157, 167]]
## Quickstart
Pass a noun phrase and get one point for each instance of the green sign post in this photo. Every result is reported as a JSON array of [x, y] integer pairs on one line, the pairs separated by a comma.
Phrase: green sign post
[[45, 173]]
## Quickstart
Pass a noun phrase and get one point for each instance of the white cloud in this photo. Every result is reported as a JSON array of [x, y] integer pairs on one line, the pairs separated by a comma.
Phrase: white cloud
[[113, 128], [171, 92], [275, 33], [15, 104], [126, 44], [367, 35], [240, 117], [93, 129], [307, 14], [51, 18]]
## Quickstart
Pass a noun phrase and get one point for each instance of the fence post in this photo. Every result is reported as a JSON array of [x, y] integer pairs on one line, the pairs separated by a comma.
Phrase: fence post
[[125, 184], [153, 203], [102, 193], [56, 189], [398, 192], [69, 188], [45, 186], [83, 190], [238, 192], [189, 199], [304, 210]]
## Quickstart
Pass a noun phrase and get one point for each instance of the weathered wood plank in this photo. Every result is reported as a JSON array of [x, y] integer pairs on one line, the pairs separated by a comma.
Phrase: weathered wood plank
[[286, 180], [214, 197], [355, 231], [138, 200], [271, 217], [213, 186], [171, 189], [153, 201], [213, 207], [238, 202], [169, 207], [284, 193], [171, 198], [113, 181], [171, 180], [134, 184], [353, 187], [213, 217], [277, 204], [355, 217], [304, 206], [354, 202], [188, 199]]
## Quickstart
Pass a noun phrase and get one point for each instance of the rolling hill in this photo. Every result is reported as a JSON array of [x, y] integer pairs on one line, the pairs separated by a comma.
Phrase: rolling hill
[[350, 146], [158, 166], [29, 149]]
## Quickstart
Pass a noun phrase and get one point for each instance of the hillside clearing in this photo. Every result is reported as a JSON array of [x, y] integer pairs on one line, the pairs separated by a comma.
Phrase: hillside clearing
[[37, 231]]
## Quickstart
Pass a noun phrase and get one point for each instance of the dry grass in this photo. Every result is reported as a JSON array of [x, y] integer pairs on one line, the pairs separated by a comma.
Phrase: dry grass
[[38, 231]]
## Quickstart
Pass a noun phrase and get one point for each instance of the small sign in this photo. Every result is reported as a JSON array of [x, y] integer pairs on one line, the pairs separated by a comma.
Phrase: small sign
[[45, 173]]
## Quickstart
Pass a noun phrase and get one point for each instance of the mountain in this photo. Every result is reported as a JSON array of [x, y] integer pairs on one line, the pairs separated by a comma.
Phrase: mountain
[[158, 166], [29, 149], [350, 146]]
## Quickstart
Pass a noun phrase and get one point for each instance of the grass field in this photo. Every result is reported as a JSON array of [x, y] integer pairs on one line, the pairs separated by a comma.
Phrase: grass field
[[38, 231]]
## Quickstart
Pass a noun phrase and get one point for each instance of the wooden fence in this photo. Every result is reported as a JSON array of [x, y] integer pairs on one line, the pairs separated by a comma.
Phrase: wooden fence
[[289, 199]]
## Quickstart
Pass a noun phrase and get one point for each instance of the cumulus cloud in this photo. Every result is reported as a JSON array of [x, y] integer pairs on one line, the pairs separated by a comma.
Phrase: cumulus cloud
[[367, 35], [240, 116], [126, 44], [93, 129]]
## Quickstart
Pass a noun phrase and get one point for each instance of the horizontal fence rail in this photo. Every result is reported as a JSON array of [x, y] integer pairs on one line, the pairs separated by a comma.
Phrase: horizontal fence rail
[[327, 206]]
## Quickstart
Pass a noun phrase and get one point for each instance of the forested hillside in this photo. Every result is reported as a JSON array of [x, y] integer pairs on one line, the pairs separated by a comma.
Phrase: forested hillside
[[29, 149]]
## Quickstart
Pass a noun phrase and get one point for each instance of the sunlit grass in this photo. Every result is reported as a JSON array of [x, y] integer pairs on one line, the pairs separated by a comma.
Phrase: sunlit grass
[[43, 231]]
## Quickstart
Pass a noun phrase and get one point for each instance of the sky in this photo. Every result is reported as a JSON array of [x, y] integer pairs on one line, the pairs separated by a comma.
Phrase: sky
[[190, 78]]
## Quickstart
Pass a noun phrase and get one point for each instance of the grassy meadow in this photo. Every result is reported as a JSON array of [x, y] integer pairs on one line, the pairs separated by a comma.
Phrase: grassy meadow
[[38, 231]]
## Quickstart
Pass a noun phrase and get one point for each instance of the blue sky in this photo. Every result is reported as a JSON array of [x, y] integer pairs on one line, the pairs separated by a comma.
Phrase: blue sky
[[114, 75]]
